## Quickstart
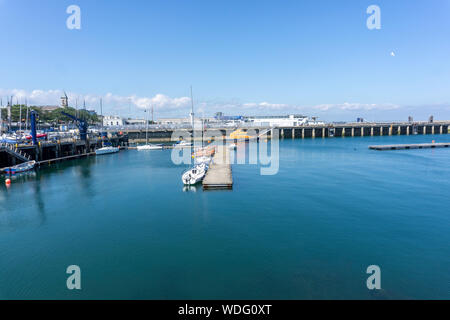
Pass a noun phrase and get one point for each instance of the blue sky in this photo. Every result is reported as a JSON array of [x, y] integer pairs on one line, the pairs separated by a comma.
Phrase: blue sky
[[241, 57]]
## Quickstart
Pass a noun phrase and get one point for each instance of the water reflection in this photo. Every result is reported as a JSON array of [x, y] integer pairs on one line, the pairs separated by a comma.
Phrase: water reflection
[[38, 197], [13, 196], [85, 174], [189, 189], [23, 203]]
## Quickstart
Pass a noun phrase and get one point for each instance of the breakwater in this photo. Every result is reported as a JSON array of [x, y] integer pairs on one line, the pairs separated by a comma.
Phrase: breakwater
[[50, 151], [302, 132]]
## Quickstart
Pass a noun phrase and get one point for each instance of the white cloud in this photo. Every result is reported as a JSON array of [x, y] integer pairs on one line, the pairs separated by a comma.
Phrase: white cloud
[[166, 106], [266, 105], [347, 106], [112, 102]]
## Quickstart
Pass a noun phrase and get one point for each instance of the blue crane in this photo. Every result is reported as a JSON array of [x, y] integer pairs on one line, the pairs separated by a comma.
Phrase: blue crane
[[81, 124]]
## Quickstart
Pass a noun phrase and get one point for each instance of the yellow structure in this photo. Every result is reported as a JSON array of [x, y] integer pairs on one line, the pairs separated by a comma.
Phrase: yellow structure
[[240, 134]]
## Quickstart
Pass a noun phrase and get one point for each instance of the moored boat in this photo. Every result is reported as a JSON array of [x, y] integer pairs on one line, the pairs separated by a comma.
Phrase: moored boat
[[205, 151], [182, 144], [203, 159], [149, 147], [26, 166], [194, 175], [106, 150]]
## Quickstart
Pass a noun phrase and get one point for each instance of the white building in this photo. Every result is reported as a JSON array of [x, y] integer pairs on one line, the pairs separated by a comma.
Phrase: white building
[[112, 121], [292, 120], [136, 122], [174, 120]]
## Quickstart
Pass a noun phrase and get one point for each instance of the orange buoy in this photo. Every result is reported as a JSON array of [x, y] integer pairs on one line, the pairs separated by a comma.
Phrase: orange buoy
[[432, 141], [8, 182]]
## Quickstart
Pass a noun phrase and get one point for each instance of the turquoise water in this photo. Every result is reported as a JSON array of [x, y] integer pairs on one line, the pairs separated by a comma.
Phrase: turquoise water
[[308, 232]]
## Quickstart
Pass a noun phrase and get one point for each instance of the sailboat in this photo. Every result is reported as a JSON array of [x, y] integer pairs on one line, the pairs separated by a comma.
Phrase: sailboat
[[107, 149], [148, 146], [202, 158]]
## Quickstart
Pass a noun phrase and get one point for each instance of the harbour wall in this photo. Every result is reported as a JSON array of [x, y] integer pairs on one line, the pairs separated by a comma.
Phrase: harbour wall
[[56, 150], [302, 132], [47, 151]]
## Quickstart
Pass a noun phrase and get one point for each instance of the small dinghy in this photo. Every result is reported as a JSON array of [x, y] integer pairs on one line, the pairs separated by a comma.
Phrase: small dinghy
[[194, 175], [26, 166]]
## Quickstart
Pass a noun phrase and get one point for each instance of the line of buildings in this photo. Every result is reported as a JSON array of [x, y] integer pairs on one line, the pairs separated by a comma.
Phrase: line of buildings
[[292, 120]]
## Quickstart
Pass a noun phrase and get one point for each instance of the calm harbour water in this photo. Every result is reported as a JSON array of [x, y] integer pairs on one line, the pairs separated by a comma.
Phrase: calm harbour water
[[308, 232]]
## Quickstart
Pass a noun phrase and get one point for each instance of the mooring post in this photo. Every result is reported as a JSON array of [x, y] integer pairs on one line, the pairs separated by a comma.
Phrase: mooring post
[[407, 130], [58, 149], [371, 131]]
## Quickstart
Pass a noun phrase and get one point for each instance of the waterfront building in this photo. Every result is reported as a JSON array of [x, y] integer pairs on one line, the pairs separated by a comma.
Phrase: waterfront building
[[173, 120], [292, 120], [136, 122], [111, 121]]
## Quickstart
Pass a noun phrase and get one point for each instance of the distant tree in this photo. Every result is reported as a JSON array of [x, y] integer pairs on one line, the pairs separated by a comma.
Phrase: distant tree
[[53, 116]]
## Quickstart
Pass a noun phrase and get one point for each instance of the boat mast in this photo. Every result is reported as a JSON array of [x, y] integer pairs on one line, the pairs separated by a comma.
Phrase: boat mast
[[101, 112], [192, 113], [146, 130], [10, 114], [20, 116], [26, 121], [1, 119]]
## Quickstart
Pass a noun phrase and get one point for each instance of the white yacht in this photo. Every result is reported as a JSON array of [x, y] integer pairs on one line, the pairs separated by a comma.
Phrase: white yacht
[[149, 147], [182, 144], [194, 175], [106, 150], [203, 159]]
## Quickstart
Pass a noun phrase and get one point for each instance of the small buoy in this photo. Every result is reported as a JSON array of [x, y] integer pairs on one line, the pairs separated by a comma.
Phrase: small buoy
[[8, 182], [432, 141]]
